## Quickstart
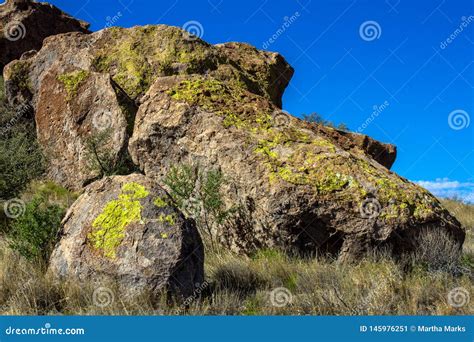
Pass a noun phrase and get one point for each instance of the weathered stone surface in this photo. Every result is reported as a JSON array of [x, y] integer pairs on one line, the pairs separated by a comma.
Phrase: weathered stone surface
[[301, 189], [301, 186], [72, 108], [24, 24], [384, 154], [136, 57], [267, 68], [123, 229]]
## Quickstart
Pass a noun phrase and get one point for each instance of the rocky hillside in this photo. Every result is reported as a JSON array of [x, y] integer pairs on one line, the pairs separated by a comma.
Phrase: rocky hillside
[[154, 99], [25, 24]]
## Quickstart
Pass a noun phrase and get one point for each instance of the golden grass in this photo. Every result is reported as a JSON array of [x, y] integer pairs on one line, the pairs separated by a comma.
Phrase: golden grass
[[465, 214], [270, 283], [245, 286]]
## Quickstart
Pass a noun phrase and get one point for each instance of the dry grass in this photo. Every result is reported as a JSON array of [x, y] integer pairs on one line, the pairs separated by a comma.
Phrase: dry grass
[[243, 286], [465, 214], [253, 286]]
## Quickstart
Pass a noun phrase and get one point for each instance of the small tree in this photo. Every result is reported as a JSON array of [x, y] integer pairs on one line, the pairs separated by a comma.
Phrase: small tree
[[318, 119], [199, 195], [102, 159]]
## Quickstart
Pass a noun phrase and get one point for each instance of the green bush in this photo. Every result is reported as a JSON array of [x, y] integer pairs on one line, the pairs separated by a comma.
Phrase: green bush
[[21, 159], [199, 194], [34, 233]]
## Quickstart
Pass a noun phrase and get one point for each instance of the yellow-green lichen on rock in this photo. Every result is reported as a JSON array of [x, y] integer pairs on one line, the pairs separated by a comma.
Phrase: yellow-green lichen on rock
[[109, 227], [72, 81], [170, 219], [136, 57], [294, 155], [159, 202]]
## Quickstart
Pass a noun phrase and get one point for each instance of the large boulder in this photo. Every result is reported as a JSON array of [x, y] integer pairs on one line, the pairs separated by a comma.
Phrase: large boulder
[[300, 189], [300, 186], [76, 77], [24, 24], [124, 229], [136, 57], [74, 108]]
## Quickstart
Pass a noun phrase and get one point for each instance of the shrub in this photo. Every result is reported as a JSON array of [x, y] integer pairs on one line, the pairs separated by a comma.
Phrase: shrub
[[21, 159], [199, 195], [101, 159], [316, 118], [437, 251], [34, 234]]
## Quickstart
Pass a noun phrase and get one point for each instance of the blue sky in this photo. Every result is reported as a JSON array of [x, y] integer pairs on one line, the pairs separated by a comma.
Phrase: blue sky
[[400, 71]]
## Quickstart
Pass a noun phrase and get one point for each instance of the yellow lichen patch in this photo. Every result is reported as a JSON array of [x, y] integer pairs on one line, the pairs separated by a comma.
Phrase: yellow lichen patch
[[160, 202], [170, 219], [109, 227], [138, 56], [72, 81], [293, 154]]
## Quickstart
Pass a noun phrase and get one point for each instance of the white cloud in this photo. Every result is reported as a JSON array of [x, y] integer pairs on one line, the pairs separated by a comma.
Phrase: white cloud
[[444, 187]]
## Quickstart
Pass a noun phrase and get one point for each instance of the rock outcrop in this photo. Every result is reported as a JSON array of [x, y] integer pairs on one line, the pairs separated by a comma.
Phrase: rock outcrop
[[24, 24], [73, 108], [124, 229], [384, 154], [300, 186]]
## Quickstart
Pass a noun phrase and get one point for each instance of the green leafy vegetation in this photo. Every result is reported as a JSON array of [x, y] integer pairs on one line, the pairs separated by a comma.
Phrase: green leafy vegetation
[[21, 158], [199, 194], [102, 160], [34, 233]]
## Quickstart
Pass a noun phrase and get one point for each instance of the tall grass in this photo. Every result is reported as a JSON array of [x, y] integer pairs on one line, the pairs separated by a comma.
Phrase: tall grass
[[269, 283], [251, 286]]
